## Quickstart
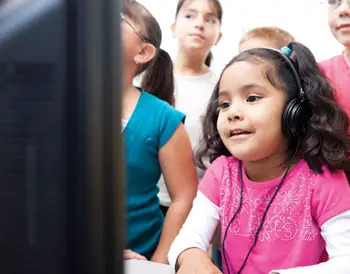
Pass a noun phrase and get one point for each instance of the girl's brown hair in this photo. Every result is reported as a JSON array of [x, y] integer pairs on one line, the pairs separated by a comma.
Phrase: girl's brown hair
[[326, 141], [157, 76]]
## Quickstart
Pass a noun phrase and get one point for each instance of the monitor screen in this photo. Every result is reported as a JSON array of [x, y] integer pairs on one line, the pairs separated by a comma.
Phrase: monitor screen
[[61, 198]]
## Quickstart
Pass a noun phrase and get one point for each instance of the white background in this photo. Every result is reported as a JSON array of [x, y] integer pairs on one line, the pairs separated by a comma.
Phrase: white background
[[306, 20]]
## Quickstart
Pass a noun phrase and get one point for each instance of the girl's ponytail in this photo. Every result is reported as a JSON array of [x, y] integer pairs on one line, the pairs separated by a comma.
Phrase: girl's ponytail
[[158, 77], [209, 59]]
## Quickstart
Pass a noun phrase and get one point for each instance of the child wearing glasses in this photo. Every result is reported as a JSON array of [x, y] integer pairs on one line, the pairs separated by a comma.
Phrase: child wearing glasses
[[337, 69], [155, 140]]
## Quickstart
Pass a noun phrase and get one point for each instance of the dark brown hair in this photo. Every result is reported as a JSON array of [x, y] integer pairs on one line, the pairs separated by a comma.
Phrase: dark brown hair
[[157, 77], [218, 8], [326, 140]]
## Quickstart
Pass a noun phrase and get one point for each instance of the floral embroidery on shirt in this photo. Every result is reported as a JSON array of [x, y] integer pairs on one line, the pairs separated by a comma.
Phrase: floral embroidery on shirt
[[289, 215]]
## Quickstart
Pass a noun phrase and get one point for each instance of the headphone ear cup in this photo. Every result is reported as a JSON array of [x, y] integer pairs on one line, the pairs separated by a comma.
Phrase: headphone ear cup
[[293, 119]]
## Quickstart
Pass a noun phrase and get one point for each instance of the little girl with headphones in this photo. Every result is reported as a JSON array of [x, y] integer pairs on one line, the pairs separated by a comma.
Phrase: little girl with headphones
[[278, 144]]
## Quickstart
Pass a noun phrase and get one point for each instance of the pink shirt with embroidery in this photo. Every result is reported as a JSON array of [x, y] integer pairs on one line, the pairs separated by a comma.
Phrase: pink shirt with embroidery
[[290, 236]]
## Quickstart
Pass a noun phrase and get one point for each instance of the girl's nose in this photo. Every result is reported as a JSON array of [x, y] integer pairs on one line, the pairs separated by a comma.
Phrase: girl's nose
[[235, 113], [199, 22], [344, 8]]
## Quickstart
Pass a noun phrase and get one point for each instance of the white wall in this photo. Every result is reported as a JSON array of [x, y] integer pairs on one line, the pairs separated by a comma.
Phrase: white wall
[[306, 20]]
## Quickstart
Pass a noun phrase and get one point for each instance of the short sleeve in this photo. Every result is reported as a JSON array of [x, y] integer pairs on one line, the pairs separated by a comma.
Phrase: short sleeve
[[331, 196], [169, 122], [211, 181]]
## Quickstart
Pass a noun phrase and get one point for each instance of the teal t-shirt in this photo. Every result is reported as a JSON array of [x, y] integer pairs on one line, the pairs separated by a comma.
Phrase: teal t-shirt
[[151, 125]]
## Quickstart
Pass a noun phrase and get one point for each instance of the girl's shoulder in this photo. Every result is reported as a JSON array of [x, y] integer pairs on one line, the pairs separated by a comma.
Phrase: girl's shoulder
[[332, 62], [159, 106], [332, 179], [160, 117], [325, 179], [330, 195], [211, 182], [224, 164], [152, 100], [221, 166]]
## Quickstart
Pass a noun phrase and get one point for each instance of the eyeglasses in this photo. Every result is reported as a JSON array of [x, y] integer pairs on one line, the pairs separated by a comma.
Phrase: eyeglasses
[[123, 19], [336, 3]]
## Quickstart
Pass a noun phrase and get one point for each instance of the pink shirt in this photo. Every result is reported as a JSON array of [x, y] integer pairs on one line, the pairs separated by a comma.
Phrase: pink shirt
[[291, 235], [338, 73]]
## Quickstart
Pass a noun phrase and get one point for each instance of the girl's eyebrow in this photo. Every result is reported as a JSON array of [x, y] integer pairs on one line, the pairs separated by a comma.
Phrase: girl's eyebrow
[[211, 14], [242, 88], [190, 10], [252, 86], [223, 93], [196, 11]]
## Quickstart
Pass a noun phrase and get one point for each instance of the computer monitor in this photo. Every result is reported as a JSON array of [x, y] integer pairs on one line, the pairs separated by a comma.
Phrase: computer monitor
[[61, 176]]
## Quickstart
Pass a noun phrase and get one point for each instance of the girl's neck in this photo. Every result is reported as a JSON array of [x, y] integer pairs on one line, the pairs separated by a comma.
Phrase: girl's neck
[[190, 65], [128, 77], [347, 56], [267, 169], [130, 95]]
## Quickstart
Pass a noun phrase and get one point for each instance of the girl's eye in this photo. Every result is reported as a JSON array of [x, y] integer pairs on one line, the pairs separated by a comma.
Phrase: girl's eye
[[211, 21], [188, 16], [334, 2], [224, 105], [253, 98]]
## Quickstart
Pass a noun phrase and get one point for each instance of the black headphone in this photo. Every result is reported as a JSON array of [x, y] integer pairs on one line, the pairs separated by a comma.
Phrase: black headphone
[[296, 112]]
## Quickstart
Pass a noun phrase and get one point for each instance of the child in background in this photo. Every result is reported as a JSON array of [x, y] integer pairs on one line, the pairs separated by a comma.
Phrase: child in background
[[272, 37], [280, 194], [197, 30], [337, 69], [155, 140]]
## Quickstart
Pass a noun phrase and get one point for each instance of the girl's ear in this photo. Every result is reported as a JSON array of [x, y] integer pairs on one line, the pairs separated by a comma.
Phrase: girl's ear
[[145, 54], [172, 28], [218, 39]]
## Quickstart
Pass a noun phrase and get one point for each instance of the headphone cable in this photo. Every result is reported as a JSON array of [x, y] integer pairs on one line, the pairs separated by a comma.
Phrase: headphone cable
[[264, 215]]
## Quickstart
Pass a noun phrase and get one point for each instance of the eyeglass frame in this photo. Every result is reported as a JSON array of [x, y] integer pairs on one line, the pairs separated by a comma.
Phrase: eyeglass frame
[[123, 19]]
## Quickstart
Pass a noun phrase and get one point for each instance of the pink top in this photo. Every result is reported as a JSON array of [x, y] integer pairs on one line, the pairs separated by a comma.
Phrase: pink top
[[338, 73], [291, 235]]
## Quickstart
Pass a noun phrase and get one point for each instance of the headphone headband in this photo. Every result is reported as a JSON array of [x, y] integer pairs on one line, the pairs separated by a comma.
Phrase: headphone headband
[[295, 113], [285, 53]]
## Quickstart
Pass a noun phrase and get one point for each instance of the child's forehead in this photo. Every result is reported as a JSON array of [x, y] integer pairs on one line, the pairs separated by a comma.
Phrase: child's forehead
[[199, 6], [247, 68], [243, 72]]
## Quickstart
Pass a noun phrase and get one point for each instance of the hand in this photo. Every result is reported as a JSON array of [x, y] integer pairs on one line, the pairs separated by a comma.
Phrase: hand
[[128, 254], [194, 261]]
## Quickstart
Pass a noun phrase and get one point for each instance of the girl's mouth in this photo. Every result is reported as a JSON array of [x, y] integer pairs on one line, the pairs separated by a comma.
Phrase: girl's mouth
[[238, 132]]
